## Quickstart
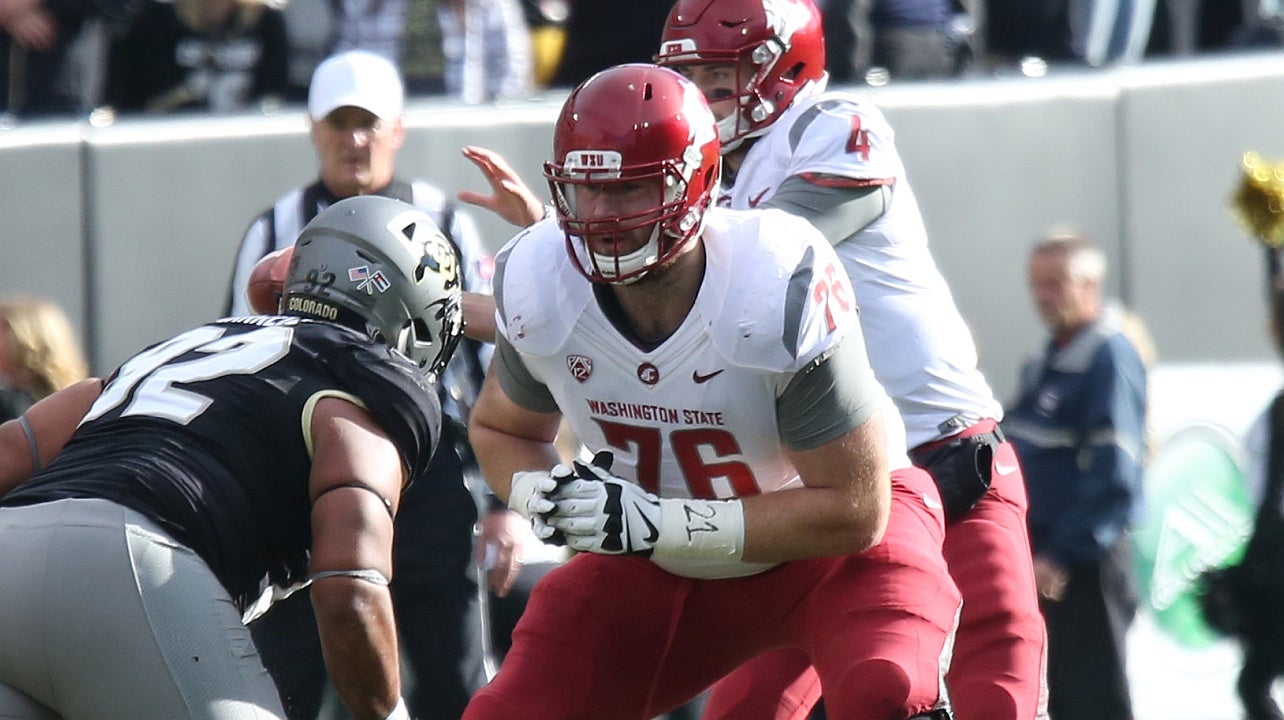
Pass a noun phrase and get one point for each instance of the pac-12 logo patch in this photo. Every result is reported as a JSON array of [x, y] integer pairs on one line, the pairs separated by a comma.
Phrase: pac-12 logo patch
[[580, 367], [648, 373]]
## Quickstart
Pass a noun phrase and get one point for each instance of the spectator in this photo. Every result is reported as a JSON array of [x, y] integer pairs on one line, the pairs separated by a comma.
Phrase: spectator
[[1186, 27], [219, 56], [39, 353], [1019, 28], [488, 50], [311, 27], [355, 108], [131, 553], [602, 34], [1243, 599], [721, 356], [475, 50], [1110, 31], [1095, 32], [1079, 428], [910, 39], [1261, 572], [49, 59], [547, 22]]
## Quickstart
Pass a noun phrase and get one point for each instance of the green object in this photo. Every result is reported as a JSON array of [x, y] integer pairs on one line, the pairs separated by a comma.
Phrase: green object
[[1197, 515]]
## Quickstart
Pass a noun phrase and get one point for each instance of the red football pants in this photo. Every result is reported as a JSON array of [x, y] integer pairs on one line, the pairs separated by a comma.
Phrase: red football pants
[[606, 638], [997, 670]]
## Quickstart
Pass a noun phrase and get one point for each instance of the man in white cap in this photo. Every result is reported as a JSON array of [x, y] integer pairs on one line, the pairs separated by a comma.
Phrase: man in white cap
[[355, 104]]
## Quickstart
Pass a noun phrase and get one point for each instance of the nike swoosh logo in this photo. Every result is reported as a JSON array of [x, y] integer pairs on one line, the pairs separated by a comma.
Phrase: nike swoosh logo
[[1002, 469], [753, 201], [653, 532], [932, 502], [697, 378]]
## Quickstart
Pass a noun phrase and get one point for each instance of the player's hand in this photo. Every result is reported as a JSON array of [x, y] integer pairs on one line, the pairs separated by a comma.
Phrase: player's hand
[[1050, 579], [600, 513], [499, 550], [10, 10], [35, 30], [528, 492], [511, 198]]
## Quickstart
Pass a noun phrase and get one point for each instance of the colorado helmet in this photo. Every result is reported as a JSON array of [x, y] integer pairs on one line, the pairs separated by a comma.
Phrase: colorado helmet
[[380, 266]]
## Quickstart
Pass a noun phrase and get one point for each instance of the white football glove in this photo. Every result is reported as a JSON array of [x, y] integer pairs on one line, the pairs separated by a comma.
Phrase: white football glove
[[528, 492], [600, 513], [595, 511]]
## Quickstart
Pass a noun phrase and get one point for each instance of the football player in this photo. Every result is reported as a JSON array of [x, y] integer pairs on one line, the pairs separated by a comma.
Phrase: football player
[[759, 494], [831, 158], [139, 515]]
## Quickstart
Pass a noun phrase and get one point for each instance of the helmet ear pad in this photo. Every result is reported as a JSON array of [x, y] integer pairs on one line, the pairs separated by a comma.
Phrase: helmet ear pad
[[382, 267], [634, 123]]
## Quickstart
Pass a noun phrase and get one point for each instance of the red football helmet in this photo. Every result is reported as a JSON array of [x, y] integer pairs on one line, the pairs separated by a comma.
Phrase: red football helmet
[[627, 124], [781, 40]]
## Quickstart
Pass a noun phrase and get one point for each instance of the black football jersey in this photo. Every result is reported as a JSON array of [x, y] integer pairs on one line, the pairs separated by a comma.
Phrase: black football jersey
[[205, 434]]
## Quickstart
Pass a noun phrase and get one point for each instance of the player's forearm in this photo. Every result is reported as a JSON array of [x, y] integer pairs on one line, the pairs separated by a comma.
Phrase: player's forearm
[[359, 644], [15, 457], [842, 507], [500, 454], [479, 316], [50, 424], [813, 522]]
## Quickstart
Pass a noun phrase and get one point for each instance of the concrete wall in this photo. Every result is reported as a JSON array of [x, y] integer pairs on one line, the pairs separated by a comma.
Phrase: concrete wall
[[133, 227]]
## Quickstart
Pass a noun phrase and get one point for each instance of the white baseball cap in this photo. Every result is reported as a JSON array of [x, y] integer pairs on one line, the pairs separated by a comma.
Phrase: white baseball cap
[[357, 78]]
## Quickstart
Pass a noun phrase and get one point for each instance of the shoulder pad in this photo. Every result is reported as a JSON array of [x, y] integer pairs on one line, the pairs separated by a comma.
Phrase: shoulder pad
[[837, 134], [791, 300], [538, 292], [395, 393]]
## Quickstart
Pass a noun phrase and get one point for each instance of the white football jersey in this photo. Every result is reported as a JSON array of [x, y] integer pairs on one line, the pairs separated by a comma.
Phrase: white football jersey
[[695, 416], [919, 345]]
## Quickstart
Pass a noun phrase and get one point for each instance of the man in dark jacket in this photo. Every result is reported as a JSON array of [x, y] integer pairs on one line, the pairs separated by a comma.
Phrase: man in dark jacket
[[1079, 429]]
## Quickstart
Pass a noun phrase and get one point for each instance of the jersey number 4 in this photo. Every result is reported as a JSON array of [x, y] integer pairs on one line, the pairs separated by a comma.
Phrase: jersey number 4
[[646, 442], [858, 140]]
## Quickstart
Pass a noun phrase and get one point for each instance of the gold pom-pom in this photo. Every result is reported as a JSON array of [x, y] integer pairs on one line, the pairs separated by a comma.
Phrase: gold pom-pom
[[1258, 203]]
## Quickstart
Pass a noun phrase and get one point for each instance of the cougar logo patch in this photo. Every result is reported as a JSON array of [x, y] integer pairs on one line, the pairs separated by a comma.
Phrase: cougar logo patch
[[648, 374]]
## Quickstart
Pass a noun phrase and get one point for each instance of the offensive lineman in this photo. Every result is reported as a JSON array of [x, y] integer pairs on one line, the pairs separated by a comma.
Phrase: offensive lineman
[[830, 158], [252, 446], [760, 494]]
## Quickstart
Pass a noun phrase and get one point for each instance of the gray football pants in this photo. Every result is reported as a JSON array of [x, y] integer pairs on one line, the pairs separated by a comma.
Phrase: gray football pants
[[105, 616]]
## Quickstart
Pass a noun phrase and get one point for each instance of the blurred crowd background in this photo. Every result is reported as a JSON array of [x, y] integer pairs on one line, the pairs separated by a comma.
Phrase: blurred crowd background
[[72, 57]]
